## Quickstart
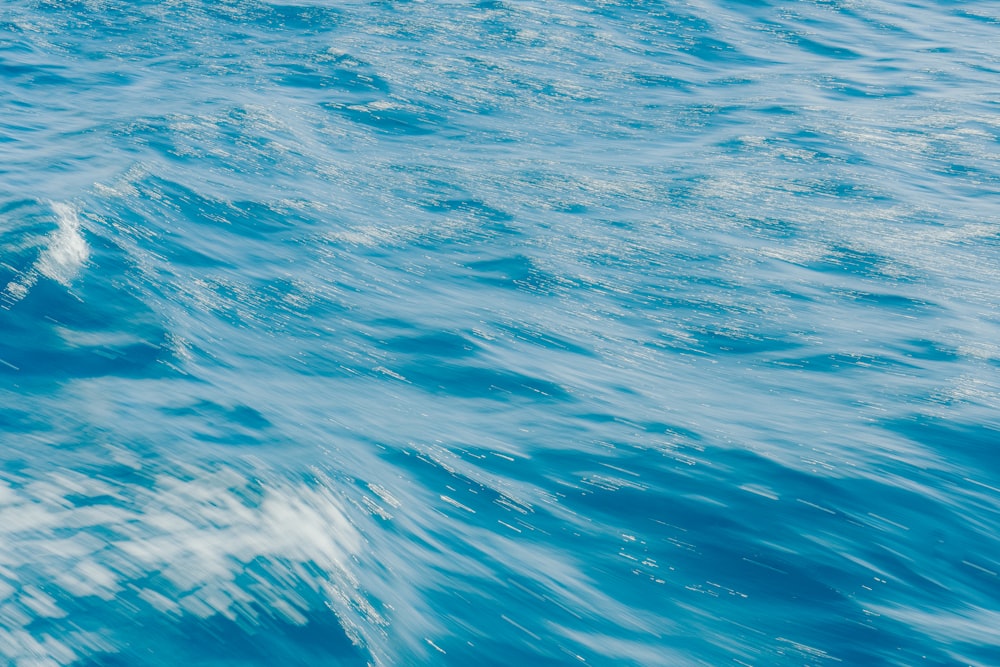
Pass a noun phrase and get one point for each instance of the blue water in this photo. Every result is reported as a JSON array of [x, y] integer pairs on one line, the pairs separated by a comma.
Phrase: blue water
[[605, 332]]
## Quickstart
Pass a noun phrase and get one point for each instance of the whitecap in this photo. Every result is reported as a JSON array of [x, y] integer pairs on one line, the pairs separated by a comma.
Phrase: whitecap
[[224, 543], [67, 251], [64, 254]]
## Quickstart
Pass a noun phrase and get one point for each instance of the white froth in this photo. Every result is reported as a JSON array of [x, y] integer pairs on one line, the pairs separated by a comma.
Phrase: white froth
[[67, 536], [67, 251], [61, 259]]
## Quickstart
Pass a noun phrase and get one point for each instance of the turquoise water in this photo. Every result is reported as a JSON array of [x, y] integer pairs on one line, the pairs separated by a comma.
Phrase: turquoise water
[[499, 333]]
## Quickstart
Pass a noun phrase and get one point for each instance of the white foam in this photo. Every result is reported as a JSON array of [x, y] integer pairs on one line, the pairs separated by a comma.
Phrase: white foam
[[64, 254], [201, 529], [67, 251]]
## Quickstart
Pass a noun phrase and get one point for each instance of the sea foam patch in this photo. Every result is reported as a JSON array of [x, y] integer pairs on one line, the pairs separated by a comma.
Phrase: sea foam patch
[[63, 255], [185, 550], [67, 251]]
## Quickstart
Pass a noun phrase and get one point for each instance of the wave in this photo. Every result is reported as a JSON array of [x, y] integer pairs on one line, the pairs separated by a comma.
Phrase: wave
[[168, 546], [63, 255]]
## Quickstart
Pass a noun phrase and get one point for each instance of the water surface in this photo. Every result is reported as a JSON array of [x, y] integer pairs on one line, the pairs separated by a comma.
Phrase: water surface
[[542, 333]]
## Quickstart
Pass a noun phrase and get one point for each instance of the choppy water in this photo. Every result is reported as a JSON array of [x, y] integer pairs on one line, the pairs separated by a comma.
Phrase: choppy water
[[532, 333]]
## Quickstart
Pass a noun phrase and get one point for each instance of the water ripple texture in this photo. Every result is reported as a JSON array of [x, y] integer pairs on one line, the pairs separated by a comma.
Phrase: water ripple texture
[[606, 332]]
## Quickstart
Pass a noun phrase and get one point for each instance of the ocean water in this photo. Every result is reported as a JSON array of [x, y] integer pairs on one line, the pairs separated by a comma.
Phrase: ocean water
[[606, 332]]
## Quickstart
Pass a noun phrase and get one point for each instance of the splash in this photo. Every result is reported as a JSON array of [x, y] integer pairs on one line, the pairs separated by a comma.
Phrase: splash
[[65, 253]]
